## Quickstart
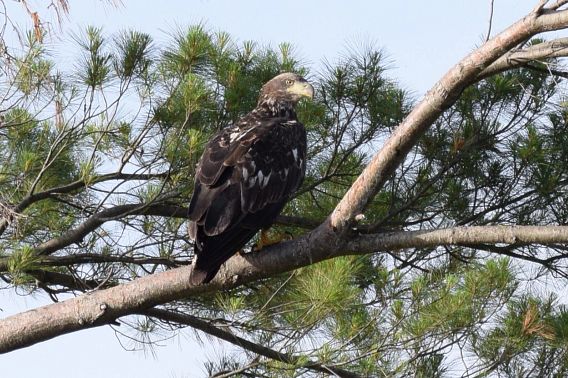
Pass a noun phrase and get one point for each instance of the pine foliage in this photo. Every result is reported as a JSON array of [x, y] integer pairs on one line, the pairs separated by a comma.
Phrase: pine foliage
[[97, 165]]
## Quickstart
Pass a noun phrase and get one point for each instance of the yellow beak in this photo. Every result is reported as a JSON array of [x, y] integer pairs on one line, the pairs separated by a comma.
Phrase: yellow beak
[[302, 89]]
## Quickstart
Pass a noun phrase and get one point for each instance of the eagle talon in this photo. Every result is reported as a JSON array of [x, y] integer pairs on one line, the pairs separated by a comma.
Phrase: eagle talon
[[266, 240]]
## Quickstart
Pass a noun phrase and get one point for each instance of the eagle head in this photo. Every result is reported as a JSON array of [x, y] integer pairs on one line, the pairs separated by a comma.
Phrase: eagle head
[[286, 88]]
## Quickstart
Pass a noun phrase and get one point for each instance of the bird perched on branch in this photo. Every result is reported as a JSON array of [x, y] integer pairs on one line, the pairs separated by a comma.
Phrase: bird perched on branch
[[246, 175]]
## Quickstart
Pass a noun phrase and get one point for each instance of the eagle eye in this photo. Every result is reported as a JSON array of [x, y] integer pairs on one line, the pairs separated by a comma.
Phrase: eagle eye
[[289, 82]]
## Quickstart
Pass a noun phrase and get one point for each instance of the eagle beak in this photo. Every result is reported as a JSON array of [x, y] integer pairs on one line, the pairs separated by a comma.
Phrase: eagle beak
[[302, 89]]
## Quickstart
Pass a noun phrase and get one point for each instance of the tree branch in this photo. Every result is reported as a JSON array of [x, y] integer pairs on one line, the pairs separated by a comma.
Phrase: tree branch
[[557, 4], [511, 235], [105, 306], [71, 187], [546, 50], [67, 281], [439, 98], [210, 329], [94, 258], [77, 234]]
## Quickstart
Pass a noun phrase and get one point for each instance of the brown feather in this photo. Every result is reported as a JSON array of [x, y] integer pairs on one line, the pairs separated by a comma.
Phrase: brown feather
[[246, 175]]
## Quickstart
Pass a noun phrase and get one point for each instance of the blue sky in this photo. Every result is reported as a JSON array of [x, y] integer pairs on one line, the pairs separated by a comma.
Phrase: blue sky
[[422, 40]]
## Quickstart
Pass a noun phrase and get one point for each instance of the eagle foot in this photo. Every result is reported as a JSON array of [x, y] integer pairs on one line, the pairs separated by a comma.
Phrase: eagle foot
[[268, 238]]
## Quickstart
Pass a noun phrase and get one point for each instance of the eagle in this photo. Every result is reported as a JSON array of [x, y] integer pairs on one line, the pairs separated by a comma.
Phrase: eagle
[[247, 173]]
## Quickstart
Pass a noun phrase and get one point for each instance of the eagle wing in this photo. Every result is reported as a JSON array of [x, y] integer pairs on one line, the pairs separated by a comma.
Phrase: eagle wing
[[243, 181]]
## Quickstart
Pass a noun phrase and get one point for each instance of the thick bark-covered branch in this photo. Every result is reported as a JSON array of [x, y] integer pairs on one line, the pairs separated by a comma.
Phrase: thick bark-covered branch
[[439, 98], [511, 235], [105, 306]]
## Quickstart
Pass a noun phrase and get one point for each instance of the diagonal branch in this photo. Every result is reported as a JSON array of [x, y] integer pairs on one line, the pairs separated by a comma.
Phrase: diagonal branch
[[77, 234], [556, 5], [210, 329], [72, 187], [439, 98]]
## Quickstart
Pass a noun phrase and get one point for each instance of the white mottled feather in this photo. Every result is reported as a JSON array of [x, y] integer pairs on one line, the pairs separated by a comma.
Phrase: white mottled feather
[[265, 181]]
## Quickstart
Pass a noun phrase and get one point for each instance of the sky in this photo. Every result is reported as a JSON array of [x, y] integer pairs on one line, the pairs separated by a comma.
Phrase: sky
[[422, 40]]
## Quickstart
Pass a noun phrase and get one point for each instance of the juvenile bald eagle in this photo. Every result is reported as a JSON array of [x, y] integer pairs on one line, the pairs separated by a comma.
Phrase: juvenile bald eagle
[[246, 175]]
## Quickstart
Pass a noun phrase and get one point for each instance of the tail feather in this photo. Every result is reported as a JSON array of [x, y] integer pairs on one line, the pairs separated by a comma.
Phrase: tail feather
[[213, 251]]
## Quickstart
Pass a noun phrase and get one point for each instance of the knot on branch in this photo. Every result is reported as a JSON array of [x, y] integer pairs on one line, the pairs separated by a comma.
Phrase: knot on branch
[[90, 313]]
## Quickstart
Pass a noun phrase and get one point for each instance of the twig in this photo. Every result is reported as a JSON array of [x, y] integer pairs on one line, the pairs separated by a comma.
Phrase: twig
[[491, 8], [206, 327]]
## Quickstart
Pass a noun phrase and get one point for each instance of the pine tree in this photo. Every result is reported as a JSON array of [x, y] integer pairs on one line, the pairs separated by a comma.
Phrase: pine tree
[[428, 278]]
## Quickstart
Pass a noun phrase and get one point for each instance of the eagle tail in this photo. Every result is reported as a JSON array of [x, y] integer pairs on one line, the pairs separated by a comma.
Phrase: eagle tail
[[213, 251]]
